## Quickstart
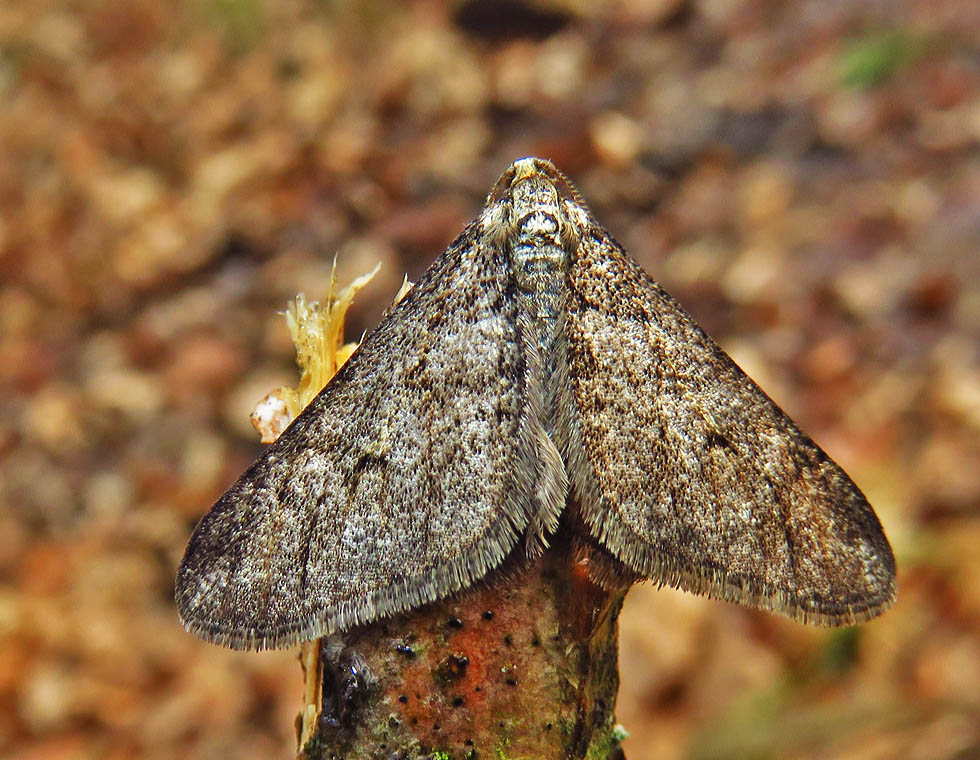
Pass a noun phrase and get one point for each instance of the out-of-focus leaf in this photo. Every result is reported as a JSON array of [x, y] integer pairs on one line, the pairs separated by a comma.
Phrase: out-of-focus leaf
[[870, 60]]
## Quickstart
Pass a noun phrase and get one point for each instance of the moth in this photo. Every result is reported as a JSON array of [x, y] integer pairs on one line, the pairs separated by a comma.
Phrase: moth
[[534, 374]]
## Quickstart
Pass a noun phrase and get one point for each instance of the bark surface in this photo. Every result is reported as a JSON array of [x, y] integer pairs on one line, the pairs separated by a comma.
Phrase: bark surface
[[525, 667]]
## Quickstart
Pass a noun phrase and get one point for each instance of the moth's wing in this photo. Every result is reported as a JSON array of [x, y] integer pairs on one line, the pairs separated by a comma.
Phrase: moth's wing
[[408, 477], [690, 475]]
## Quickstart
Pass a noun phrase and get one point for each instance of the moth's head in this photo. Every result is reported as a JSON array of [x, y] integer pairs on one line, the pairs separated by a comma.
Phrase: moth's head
[[533, 185], [531, 174]]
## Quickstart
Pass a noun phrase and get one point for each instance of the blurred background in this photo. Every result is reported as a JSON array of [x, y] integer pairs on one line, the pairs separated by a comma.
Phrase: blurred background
[[803, 176]]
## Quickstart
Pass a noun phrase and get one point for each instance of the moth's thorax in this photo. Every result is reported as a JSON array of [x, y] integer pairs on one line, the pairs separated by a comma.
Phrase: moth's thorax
[[538, 244], [538, 230]]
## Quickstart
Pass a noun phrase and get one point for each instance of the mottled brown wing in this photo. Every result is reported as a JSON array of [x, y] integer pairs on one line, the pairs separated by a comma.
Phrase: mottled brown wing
[[407, 478], [690, 475]]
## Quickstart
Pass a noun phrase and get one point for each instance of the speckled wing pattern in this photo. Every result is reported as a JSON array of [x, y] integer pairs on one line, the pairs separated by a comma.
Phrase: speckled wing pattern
[[408, 477], [688, 473], [534, 374]]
